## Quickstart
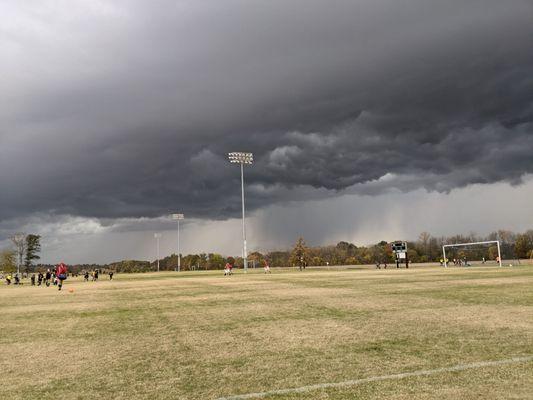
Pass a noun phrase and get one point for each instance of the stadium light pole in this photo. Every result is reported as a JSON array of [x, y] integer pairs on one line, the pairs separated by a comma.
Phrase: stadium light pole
[[178, 217], [157, 236], [242, 158]]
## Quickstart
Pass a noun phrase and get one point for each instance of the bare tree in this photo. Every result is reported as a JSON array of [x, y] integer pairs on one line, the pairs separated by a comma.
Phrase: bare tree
[[424, 238], [19, 241]]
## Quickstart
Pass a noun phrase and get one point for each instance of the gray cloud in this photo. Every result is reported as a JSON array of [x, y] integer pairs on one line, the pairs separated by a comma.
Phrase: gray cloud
[[128, 110]]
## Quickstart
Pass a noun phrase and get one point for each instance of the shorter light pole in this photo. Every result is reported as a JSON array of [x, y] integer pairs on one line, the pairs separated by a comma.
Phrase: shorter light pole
[[157, 236], [178, 217]]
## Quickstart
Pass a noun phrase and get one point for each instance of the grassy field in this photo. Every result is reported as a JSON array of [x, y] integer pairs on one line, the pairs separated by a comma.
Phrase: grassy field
[[204, 336]]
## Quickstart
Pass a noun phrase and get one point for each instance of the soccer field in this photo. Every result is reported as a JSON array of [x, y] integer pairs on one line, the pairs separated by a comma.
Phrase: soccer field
[[205, 336]]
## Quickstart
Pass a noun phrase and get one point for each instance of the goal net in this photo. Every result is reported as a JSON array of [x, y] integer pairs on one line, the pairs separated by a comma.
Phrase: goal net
[[470, 254]]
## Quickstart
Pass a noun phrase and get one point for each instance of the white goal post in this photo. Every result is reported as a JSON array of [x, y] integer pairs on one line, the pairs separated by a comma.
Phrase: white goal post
[[471, 244]]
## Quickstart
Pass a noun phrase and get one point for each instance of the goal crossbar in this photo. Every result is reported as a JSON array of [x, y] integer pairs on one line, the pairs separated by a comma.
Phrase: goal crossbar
[[470, 244]]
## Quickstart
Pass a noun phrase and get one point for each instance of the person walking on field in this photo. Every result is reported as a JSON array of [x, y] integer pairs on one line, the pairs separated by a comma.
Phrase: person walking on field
[[267, 267], [227, 269], [61, 274], [47, 277]]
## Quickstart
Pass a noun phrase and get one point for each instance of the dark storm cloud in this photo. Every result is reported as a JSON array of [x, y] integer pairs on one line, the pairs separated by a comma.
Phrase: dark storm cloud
[[128, 110]]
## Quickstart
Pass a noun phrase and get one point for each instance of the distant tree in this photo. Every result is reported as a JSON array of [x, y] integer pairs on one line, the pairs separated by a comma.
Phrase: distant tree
[[317, 261], [413, 255], [216, 261], [381, 252], [523, 246], [299, 256], [343, 251], [507, 240], [19, 242], [255, 259], [33, 248], [423, 248], [8, 260], [278, 258], [193, 261], [351, 261], [493, 252], [434, 249]]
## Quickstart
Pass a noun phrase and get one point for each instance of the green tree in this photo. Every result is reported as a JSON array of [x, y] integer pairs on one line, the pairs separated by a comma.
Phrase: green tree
[[33, 248], [8, 261], [493, 252], [523, 246], [216, 261], [317, 261], [299, 256]]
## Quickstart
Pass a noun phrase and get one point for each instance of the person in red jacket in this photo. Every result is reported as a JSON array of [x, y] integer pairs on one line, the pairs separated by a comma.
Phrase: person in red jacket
[[227, 269], [61, 273]]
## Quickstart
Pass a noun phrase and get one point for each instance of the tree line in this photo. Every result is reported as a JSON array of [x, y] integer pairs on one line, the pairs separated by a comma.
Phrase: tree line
[[427, 248]]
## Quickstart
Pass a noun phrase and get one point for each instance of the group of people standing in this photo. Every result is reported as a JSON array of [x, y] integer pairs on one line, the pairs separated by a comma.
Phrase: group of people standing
[[55, 277], [228, 268], [95, 274], [52, 277]]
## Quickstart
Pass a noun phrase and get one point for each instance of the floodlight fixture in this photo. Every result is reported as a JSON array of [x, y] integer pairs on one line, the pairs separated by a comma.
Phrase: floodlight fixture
[[241, 157]]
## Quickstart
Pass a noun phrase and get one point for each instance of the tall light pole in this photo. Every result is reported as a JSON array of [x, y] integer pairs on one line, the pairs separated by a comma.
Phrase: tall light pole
[[157, 236], [242, 158], [178, 217]]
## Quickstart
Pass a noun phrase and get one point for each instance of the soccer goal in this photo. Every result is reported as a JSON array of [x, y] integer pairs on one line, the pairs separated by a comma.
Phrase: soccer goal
[[465, 252]]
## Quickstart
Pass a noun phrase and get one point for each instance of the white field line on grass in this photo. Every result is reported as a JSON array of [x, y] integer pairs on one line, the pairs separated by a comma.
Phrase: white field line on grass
[[303, 389]]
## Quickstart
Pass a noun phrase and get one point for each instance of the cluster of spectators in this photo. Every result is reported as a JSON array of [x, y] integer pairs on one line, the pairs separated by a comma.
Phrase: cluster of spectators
[[50, 277], [55, 277], [95, 274]]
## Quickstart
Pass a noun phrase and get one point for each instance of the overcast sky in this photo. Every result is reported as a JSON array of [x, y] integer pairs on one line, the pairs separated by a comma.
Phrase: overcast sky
[[368, 120]]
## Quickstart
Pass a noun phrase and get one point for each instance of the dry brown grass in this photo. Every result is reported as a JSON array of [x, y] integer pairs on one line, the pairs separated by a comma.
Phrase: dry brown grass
[[201, 336]]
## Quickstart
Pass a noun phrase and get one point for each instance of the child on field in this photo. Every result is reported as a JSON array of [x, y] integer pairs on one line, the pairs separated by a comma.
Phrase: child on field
[[61, 274], [47, 277], [227, 269], [267, 267]]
